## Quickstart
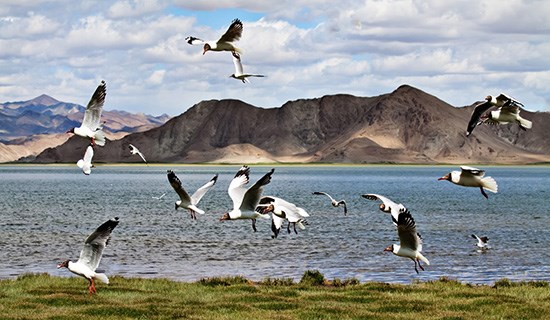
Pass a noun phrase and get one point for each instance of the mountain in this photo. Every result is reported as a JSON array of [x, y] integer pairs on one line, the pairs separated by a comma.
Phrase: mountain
[[25, 125], [404, 126]]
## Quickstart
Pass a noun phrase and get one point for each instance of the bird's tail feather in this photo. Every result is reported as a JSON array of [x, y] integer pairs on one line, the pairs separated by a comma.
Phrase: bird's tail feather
[[80, 163], [197, 210], [490, 184], [102, 277], [421, 257], [524, 123]]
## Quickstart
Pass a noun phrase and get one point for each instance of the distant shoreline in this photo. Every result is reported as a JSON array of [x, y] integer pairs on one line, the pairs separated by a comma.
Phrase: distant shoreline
[[278, 164]]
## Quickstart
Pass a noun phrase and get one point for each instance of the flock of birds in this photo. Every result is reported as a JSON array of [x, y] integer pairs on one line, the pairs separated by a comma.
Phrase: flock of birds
[[248, 203]]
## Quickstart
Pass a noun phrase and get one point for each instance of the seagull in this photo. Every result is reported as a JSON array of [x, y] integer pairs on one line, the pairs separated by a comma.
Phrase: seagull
[[334, 202], [410, 242], [244, 200], [194, 41], [472, 177], [481, 242], [186, 201], [507, 110], [90, 256], [225, 43], [158, 198], [239, 75], [282, 210], [387, 205], [86, 163], [91, 126], [134, 150]]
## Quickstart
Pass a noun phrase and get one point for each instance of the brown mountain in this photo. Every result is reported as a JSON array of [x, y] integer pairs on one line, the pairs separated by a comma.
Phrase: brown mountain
[[405, 126]]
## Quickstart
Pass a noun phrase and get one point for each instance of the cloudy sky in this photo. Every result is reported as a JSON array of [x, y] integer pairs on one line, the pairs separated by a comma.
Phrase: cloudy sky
[[459, 51]]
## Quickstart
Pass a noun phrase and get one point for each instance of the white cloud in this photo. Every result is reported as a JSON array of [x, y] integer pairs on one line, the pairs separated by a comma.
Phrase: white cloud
[[457, 50]]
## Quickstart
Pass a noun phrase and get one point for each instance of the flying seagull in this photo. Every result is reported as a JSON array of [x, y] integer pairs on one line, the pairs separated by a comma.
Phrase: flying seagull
[[225, 43], [134, 150], [334, 202], [244, 200], [86, 162], [158, 198], [282, 210], [506, 110], [387, 205], [239, 75], [189, 202], [91, 126], [410, 242], [472, 177], [194, 41], [481, 242], [90, 256]]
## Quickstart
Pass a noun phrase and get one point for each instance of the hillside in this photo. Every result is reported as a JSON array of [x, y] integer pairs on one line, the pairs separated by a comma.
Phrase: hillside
[[405, 126], [29, 127]]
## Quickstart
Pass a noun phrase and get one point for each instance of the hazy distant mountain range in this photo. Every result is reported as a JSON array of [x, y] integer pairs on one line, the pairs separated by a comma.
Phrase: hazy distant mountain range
[[404, 126], [28, 127]]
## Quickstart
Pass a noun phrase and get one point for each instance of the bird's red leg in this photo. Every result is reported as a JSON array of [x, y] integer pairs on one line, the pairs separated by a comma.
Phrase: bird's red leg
[[483, 193], [93, 142], [92, 288]]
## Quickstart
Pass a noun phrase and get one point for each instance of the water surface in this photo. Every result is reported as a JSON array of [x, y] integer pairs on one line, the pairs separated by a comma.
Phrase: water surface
[[46, 212]]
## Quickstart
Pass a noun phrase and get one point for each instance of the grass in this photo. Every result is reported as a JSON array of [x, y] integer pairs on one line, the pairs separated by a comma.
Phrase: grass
[[40, 296]]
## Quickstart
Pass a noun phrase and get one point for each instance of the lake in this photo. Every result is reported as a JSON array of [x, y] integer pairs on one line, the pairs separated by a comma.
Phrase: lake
[[48, 211]]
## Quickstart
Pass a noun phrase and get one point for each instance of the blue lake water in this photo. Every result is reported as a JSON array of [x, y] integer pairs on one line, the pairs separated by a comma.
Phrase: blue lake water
[[46, 212]]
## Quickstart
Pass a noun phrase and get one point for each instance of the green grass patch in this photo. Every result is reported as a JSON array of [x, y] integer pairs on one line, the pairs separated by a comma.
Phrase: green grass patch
[[40, 296]]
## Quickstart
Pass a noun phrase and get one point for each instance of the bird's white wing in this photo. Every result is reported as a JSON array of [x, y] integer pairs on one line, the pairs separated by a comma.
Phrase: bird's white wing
[[238, 65], [236, 188], [95, 243], [92, 115], [233, 33], [472, 171], [406, 229], [395, 208], [253, 194], [324, 193], [197, 196], [175, 182]]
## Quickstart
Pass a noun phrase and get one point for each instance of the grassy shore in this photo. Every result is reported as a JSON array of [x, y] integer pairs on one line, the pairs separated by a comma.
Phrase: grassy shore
[[41, 296]]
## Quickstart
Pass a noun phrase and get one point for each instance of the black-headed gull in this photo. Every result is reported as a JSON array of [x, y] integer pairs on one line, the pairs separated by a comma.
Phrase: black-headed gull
[[90, 256], [91, 126], [334, 203], [481, 242], [245, 200], [507, 110], [282, 210], [239, 74], [387, 205], [134, 150], [225, 43], [189, 202], [410, 242], [472, 177], [86, 162]]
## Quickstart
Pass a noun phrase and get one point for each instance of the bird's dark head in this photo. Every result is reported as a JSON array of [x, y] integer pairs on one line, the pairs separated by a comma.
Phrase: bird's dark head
[[64, 264], [390, 248], [488, 98], [382, 207], [445, 177], [206, 48], [225, 216], [233, 76]]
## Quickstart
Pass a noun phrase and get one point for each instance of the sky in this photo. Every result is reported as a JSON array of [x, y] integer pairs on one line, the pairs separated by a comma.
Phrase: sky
[[459, 51]]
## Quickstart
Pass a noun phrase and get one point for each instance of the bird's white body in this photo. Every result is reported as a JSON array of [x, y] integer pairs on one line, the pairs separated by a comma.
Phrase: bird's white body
[[410, 253], [134, 150], [467, 178], [508, 115], [239, 74], [83, 270]]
